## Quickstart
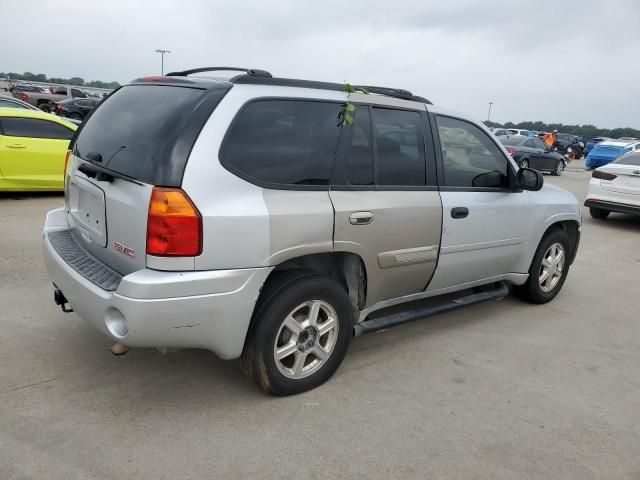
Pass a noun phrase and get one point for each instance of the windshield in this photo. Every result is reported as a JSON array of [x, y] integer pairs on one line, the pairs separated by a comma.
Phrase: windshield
[[133, 127]]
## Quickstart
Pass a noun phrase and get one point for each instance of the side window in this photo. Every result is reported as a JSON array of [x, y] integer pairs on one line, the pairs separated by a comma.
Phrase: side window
[[399, 147], [360, 152], [529, 143], [8, 104], [539, 144], [469, 156], [75, 93], [288, 142], [60, 90], [34, 128]]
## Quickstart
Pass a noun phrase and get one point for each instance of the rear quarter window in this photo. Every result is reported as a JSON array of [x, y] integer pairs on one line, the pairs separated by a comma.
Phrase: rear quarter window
[[135, 127], [283, 142]]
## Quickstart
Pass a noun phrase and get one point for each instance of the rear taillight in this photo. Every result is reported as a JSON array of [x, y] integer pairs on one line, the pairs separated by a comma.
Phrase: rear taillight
[[24, 97], [603, 175], [174, 225], [60, 107], [511, 151]]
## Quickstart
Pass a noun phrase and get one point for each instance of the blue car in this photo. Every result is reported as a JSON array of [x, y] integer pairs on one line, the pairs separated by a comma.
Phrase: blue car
[[606, 152], [592, 143]]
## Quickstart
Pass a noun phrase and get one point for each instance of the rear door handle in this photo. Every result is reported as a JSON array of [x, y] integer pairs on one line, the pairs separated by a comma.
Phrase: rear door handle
[[459, 212], [361, 218], [16, 145]]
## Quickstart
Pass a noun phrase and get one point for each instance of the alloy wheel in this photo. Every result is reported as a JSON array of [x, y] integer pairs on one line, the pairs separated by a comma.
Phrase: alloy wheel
[[306, 339], [552, 267]]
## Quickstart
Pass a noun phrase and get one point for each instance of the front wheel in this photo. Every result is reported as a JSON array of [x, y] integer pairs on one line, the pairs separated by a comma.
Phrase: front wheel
[[45, 107], [599, 213], [557, 171], [548, 270], [301, 331], [75, 116]]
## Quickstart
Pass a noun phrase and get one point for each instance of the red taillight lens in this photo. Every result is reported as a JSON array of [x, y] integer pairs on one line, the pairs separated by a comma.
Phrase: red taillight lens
[[174, 225], [24, 97], [603, 175], [511, 151], [60, 107]]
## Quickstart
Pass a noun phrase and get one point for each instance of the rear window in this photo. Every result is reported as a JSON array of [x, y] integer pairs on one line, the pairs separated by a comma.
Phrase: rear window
[[283, 142], [133, 128], [632, 159], [511, 141]]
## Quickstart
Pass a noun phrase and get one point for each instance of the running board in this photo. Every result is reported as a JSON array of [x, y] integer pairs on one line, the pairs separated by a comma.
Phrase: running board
[[499, 291]]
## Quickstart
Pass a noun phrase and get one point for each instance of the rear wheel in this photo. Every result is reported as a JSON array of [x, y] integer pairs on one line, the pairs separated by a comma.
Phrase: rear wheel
[[557, 171], [301, 332], [548, 270], [75, 116], [599, 213], [524, 163], [45, 107]]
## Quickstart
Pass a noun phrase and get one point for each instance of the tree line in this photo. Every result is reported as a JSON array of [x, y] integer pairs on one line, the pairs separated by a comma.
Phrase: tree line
[[585, 131], [41, 77]]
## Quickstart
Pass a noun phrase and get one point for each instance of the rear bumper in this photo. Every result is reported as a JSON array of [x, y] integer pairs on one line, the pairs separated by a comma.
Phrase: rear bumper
[[612, 206], [151, 308]]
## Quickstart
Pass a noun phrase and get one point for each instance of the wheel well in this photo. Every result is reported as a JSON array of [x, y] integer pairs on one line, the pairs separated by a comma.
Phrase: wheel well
[[570, 227], [346, 268]]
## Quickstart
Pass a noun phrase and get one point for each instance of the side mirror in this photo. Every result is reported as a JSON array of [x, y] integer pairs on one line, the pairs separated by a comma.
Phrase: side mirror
[[529, 179]]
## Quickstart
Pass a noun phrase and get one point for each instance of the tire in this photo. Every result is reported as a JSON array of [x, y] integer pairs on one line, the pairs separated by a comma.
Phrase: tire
[[599, 213], [559, 168], [524, 163], [45, 107], [287, 303], [75, 116], [535, 291]]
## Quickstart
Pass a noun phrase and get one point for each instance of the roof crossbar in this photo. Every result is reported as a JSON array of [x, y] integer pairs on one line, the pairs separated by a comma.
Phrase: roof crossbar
[[254, 72]]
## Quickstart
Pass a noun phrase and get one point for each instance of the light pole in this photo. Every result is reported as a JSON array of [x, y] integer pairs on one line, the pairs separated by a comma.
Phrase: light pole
[[489, 114], [162, 51]]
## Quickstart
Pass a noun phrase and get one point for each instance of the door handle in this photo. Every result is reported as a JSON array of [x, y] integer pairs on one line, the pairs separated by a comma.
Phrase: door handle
[[459, 212], [361, 218], [16, 145]]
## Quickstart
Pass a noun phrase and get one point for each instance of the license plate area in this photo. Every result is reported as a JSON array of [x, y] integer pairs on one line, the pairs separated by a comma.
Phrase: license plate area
[[87, 211]]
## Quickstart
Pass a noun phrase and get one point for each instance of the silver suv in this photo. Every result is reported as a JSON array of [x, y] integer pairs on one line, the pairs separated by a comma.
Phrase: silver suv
[[272, 219]]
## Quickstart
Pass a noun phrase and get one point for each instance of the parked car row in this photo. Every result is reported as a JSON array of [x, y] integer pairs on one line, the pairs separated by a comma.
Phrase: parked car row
[[533, 153]]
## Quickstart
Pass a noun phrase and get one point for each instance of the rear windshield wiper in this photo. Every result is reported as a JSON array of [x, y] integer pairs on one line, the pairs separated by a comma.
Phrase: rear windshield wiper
[[104, 174]]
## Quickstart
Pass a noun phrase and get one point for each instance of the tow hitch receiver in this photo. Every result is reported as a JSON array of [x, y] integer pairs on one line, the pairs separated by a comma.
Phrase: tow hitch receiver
[[61, 300]]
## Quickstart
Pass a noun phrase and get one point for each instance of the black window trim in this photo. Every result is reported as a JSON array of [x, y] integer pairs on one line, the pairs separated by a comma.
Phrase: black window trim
[[271, 185], [444, 188]]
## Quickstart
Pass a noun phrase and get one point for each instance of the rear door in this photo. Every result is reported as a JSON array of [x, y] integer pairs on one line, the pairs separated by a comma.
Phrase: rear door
[[387, 207], [485, 224], [134, 135], [32, 152]]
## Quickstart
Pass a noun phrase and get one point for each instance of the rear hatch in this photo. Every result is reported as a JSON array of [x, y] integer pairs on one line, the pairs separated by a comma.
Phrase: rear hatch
[[139, 137]]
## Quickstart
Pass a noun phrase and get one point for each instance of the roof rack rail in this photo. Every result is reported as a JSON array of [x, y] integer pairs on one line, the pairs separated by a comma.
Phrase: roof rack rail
[[254, 72], [292, 82]]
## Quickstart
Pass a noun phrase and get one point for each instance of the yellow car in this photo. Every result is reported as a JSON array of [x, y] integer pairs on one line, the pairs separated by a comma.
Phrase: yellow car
[[33, 147]]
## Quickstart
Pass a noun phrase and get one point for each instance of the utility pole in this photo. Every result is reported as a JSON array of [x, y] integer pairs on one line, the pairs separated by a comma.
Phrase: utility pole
[[489, 114], [162, 51]]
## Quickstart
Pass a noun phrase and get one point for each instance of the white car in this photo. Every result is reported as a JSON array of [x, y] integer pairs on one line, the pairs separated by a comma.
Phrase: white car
[[519, 131], [615, 187]]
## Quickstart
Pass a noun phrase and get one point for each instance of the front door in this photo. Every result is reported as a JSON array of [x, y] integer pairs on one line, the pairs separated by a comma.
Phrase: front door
[[32, 152], [386, 211], [485, 224]]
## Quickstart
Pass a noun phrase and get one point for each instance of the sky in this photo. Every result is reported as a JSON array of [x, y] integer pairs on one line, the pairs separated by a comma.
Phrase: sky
[[574, 62]]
